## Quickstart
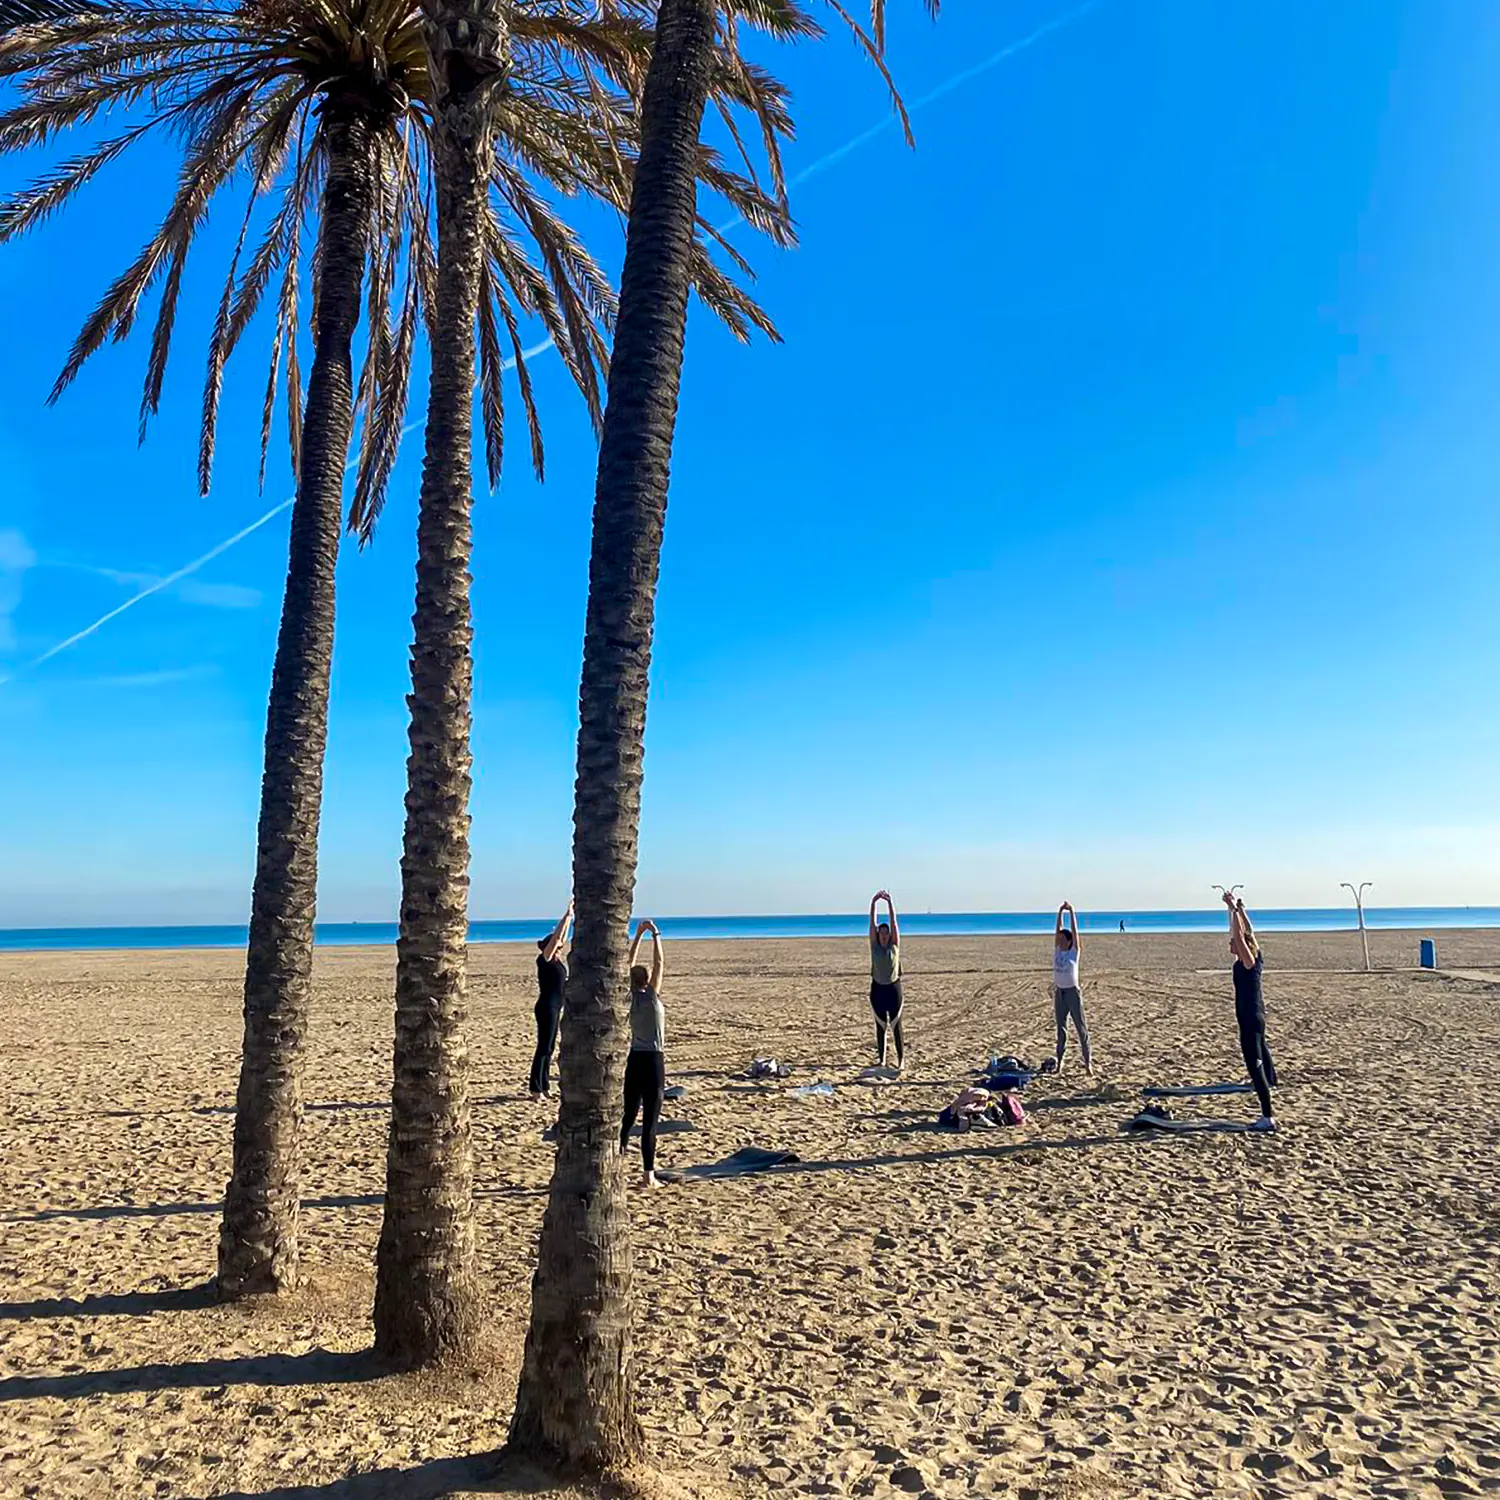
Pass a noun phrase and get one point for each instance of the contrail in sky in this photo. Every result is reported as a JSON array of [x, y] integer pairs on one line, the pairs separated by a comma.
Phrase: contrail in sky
[[154, 588], [957, 81], [812, 169]]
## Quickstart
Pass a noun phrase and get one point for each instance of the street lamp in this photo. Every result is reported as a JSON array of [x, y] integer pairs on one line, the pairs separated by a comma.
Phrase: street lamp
[[1359, 906]]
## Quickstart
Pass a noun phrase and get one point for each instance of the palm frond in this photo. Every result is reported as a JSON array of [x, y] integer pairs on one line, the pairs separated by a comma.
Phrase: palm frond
[[381, 438], [492, 377], [235, 86]]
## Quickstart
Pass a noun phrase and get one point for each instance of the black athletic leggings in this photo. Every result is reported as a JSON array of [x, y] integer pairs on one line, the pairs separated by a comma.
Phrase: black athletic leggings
[[645, 1082], [548, 1013], [885, 1001], [1252, 1023]]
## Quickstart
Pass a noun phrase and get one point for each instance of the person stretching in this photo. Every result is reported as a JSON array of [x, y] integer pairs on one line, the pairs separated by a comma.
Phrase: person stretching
[[1067, 999], [1249, 1008], [551, 980], [885, 978], [646, 1067]]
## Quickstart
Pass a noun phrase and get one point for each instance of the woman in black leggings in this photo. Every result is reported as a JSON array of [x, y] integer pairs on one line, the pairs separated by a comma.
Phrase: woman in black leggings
[[646, 1067], [1250, 1010], [885, 978], [551, 981]]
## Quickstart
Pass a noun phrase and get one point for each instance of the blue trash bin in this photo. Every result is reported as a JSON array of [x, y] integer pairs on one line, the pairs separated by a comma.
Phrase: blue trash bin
[[1429, 954]]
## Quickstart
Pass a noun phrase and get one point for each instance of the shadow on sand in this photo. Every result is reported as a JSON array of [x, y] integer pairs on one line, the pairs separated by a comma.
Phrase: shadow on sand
[[483, 1473], [166, 1210], [317, 1367], [429, 1481], [114, 1304], [971, 1147]]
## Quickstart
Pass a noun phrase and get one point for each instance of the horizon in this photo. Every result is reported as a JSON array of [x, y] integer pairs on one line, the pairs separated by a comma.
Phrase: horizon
[[1129, 544], [541, 922]]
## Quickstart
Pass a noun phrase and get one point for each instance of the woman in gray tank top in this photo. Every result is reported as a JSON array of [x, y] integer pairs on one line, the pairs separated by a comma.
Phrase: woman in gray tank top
[[1067, 994], [646, 1067]]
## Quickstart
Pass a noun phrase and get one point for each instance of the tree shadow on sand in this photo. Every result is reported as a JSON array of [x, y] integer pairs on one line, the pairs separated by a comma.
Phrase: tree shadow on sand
[[1076, 1101], [167, 1210], [980, 1147], [113, 1304], [429, 1481], [317, 1367], [479, 1473]]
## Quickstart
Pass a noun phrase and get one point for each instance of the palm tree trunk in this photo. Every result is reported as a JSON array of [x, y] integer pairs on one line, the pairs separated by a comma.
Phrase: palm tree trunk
[[258, 1237], [575, 1397], [426, 1301]]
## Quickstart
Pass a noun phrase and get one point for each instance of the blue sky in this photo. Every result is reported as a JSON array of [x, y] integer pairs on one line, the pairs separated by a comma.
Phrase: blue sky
[[1117, 517]]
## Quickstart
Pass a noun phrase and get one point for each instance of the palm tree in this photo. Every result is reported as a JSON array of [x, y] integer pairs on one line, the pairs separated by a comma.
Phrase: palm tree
[[325, 108], [16, 13], [426, 1303], [574, 1402]]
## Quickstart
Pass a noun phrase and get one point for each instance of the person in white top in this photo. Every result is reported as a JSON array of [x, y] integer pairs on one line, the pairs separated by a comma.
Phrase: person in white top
[[1067, 999]]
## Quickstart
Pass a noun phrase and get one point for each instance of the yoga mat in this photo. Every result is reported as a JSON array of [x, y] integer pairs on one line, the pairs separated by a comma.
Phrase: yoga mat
[[741, 1163], [1143, 1123], [1185, 1090]]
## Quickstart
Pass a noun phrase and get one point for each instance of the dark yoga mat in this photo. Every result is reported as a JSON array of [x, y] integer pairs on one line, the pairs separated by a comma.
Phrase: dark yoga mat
[[1187, 1090], [1144, 1124], [742, 1163]]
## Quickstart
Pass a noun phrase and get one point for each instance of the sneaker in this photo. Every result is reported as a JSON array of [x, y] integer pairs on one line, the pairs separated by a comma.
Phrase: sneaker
[[1264, 1123]]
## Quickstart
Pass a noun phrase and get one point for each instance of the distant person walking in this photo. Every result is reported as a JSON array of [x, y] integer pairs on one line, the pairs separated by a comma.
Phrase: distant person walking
[[885, 978], [1249, 1008], [551, 981], [646, 1067], [1067, 998]]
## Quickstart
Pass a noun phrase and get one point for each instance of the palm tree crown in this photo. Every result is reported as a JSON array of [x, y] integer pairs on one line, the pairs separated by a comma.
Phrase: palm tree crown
[[248, 89]]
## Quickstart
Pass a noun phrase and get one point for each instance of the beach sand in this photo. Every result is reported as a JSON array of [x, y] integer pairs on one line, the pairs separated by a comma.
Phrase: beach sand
[[1049, 1310]]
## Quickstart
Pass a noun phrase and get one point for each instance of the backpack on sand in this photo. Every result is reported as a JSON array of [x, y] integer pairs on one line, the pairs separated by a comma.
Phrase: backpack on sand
[[1010, 1110]]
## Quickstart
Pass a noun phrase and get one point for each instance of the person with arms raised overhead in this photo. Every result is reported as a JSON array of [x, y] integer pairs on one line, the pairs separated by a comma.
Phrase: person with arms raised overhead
[[1249, 1008], [646, 1067], [885, 978], [1067, 997], [551, 981]]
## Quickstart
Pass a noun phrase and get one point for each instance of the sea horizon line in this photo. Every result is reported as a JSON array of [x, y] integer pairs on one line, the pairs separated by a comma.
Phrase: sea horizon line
[[784, 925]]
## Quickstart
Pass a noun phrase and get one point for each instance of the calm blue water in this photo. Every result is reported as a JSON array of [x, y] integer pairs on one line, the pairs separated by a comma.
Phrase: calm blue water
[[1305, 919]]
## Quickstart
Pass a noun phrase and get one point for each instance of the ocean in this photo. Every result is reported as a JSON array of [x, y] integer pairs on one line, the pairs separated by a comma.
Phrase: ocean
[[913, 924]]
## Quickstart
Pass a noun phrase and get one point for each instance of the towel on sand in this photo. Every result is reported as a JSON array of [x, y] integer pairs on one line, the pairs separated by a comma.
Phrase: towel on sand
[[740, 1163]]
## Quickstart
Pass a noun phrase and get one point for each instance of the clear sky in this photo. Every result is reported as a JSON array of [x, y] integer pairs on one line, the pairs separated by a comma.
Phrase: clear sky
[[1119, 515]]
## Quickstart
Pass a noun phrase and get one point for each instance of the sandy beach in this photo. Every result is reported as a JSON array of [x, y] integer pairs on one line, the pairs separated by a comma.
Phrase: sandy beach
[[1054, 1310]]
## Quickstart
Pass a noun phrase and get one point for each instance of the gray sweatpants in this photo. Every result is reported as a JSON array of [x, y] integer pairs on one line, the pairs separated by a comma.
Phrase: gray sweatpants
[[1068, 1006]]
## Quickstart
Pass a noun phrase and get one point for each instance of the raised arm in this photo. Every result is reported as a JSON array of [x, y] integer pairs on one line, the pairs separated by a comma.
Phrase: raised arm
[[890, 906], [874, 902], [658, 964], [635, 945], [1061, 925], [1240, 943], [559, 935], [1073, 918]]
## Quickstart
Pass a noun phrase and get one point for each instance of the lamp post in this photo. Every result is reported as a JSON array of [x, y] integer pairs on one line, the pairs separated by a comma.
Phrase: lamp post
[[1359, 907]]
